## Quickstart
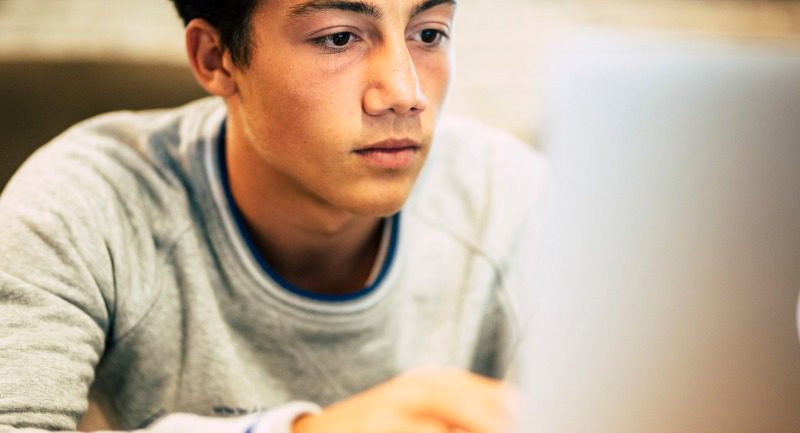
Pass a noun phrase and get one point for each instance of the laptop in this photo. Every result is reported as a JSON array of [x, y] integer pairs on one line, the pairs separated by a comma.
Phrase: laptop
[[669, 263]]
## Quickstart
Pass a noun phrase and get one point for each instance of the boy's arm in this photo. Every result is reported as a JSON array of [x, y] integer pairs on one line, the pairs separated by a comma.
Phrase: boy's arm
[[52, 339], [422, 401], [57, 300]]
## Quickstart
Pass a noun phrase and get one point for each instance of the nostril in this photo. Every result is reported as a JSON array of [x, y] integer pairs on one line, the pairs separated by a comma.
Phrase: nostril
[[394, 87]]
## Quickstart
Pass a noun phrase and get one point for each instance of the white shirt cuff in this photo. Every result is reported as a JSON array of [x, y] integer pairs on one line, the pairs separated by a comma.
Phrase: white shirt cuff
[[277, 420], [282, 418]]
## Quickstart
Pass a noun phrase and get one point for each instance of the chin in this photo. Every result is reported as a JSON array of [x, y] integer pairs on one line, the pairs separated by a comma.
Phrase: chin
[[381, 203]]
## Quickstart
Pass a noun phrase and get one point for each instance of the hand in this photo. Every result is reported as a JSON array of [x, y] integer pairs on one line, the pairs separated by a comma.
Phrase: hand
[[422, 401]]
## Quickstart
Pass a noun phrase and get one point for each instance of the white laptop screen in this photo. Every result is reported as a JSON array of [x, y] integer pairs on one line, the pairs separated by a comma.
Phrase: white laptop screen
[[669, 269]]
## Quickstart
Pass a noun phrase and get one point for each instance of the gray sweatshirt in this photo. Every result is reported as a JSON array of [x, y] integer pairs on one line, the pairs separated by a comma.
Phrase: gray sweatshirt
[[127, 278]]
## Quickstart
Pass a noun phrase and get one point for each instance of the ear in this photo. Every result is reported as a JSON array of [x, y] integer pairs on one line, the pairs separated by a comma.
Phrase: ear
[[210, 62]]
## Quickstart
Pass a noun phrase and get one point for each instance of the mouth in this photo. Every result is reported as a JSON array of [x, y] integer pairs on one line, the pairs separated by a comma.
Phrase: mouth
[[390, 154]]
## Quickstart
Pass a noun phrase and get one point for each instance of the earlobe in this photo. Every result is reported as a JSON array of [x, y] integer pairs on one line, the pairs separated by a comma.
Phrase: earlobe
[[209, 60]]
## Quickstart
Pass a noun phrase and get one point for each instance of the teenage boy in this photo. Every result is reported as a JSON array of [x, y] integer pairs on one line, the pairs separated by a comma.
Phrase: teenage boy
[[237, 264]]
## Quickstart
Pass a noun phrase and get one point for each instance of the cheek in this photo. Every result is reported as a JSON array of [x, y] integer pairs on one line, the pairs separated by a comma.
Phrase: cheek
[[434, 75], [300, 108], [328, 104], [311, 124]]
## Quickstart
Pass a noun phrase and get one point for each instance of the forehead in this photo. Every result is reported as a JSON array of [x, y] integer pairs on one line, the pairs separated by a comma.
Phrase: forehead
[[372, 8]]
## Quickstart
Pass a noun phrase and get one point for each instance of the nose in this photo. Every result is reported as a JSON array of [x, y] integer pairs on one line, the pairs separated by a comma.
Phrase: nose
[[393, 85]]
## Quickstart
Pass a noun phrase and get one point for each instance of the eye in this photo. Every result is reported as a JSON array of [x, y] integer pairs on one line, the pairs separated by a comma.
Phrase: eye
[[430, 37], [336, 41], [340, 39]]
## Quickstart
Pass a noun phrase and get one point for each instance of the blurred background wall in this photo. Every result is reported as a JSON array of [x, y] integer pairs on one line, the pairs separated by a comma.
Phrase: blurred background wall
[[64, 60]]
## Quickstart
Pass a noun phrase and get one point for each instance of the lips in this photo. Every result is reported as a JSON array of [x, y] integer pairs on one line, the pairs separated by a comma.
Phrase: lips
[[390, 154], [390, 145]]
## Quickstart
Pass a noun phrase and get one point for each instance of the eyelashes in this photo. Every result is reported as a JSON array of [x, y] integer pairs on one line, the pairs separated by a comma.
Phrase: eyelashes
[[336, 42], [432, 37], [342, 41]]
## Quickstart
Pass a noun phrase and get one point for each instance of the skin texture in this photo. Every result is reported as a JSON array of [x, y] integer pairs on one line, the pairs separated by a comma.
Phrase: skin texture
[[299, 116]]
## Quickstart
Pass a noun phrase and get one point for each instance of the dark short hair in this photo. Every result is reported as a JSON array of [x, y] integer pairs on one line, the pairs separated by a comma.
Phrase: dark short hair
[[231, 18]]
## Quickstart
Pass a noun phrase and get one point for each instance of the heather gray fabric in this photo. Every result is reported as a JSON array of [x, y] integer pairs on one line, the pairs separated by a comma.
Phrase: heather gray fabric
[[122, 273]]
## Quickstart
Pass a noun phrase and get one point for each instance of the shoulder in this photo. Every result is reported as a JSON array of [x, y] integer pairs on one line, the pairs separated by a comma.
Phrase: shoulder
[[133, 159], [149, 143], [101, 203], [480, 184]]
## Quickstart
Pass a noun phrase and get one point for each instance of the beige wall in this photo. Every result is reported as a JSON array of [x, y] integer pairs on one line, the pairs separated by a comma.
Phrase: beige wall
[[501, 44]]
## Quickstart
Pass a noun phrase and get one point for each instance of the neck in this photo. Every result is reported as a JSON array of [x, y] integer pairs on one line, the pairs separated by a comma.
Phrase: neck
[[308, 243]]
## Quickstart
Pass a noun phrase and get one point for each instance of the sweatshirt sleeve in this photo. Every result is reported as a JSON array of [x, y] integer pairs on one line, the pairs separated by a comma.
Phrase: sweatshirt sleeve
[[519, 264], [278, 420], [72, 239], [56, 301]]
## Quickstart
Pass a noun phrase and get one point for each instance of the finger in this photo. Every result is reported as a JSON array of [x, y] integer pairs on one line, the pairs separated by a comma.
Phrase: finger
[[428, 425], [467, 401]]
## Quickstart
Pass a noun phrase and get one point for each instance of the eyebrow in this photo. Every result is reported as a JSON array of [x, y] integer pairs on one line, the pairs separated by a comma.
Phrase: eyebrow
[[429, 4], [359, 7]]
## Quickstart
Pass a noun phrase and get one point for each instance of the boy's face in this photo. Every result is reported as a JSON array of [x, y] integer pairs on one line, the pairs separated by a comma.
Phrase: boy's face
[[340, 97]]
